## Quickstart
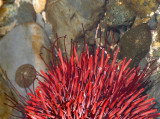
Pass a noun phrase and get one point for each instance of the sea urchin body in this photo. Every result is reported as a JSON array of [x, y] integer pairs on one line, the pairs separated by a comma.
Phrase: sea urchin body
[[91, 87]]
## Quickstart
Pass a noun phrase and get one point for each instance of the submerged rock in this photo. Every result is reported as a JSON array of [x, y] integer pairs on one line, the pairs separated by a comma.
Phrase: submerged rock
[[23, 45], [26, 13], [1, 3], [5, 110], [152, 23], [142, 8], [135, 44], [8, 13], [67, 17], [11, 15], [153, 89], [139, 21], [117, 14], [39, 5]]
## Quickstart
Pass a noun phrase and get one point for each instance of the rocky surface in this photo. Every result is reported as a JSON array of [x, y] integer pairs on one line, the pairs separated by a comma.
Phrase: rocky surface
[[117, 14], [135, 44], [153, 89], [26, 13], [39, 5], [143, 8], [21, 46], [12, 15], [5, 110], [152, 23], [8, 14], [26, 25], [139, 21], [67, 16], [1, 3]]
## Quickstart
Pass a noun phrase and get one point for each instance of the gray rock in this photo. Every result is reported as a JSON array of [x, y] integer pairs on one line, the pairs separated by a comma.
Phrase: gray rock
[[135, 44], [7, 14], [26, 13], [156, 52], [67, 17], [152, 23], [118, 15], [46, 25], [39, 20], [153, 87], [23, 45], [5, 110], [143, 63], [39, 5], [154, 90], [10, 1], [88, 9], [11, 15]]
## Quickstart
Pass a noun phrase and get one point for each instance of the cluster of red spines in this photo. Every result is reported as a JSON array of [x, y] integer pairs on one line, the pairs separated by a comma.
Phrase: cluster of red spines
[[91, 87]]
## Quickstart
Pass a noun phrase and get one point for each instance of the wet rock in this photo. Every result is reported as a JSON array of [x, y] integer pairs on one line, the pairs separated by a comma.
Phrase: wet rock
[[26, 13], [143, 63], [155, 49], [139, 21], [117, 14], [8, 13], [153, 89], [1, 3], [9, 1], [142, 8], [39, 5], [152, 23], [48, 29], [40, 20], [67, 16], [46, 25], [21, 46], [135, 44], [5, 29], [21, 1], [11, 15], [88, 9], [5, 110], [158, 29]]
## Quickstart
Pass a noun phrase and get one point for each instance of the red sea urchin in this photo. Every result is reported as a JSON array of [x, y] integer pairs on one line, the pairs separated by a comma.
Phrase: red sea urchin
[[91, 87]]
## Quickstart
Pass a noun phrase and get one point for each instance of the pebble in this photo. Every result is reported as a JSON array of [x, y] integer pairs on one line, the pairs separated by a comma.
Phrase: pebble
[[39, 5], [135, 44]]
